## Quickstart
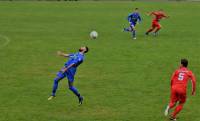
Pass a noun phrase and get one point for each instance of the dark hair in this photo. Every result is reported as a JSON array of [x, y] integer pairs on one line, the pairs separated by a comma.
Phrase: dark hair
[[184, 62], [87, 49], [136, 8]]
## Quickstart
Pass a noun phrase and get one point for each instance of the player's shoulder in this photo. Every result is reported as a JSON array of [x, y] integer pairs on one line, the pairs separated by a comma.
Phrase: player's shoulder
[[130, 14]]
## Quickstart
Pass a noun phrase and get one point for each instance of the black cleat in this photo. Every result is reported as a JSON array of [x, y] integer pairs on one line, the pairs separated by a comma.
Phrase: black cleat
[[172, 119], [80, 100]]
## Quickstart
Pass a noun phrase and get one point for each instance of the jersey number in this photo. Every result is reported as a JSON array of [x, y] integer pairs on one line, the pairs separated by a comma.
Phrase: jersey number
[[181, 76]]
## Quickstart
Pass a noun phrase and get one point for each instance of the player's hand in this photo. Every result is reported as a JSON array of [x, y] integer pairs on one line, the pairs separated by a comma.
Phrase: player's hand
[[59, 53], [148, 13], [64, 70]]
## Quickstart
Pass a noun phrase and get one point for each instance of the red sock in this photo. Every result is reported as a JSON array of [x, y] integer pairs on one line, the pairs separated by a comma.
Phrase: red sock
[[177, 110]]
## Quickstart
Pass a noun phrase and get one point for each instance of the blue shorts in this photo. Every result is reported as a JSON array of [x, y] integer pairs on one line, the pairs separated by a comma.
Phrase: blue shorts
[[68, 74], [132, 24]]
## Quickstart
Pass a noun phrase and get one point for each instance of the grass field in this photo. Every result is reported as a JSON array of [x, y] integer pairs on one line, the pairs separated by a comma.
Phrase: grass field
[[121, 79]]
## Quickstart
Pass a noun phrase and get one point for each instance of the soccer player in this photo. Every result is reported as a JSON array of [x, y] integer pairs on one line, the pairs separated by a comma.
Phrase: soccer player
[[133, 19], [155, 22], [69, 71], [179, 82]]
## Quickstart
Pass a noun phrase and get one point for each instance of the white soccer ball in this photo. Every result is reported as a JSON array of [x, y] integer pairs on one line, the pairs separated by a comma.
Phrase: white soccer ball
[[93, 34]]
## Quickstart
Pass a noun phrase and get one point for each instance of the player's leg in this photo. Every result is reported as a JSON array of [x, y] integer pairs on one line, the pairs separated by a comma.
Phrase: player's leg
[[59, 77], [158, 27], [75, 91], [73, 88], [151, 29], [179, 107], [133, 30], [172, 103], [129, 29]]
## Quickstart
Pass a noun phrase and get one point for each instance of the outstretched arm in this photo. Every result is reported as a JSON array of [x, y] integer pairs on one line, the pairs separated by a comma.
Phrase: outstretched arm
[[165, 15], [62, 54], [150, 13]]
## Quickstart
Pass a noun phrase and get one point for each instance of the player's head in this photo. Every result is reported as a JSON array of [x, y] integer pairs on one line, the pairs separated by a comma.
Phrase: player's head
[[161, 10], [84, 49], [184, 62], [136, 9]]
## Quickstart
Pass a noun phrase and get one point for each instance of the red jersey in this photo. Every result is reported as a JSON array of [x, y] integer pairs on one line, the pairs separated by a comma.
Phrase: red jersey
[[180, 78], [158, 15]]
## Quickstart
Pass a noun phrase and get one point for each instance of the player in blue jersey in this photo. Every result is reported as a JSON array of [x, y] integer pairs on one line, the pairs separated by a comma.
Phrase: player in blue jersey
[[133, 19], [69, 71]]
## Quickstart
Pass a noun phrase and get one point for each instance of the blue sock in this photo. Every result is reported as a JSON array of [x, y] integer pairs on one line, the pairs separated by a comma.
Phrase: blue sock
[[75, 91], [134, 33], [126, 29]]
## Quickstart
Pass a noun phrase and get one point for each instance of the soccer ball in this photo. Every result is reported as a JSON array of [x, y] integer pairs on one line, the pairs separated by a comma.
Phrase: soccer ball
[[93, 34]]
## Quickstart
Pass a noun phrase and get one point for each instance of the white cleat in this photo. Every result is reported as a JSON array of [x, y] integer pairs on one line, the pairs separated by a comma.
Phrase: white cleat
[[51, 97], [134, 38], [166, 111]]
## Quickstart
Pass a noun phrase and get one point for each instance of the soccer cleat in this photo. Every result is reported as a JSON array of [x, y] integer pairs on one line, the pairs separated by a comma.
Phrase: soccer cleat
[[80, 100], [166, 111], [147, 33], [134, 37], [51, 97], [172, 119]]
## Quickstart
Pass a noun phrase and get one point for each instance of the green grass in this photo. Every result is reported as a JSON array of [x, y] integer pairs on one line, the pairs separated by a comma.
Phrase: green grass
[[121, 79]]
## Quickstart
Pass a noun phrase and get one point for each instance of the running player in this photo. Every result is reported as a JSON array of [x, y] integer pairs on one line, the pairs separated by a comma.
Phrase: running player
[[155, 22], [179, 83], [133, 19]]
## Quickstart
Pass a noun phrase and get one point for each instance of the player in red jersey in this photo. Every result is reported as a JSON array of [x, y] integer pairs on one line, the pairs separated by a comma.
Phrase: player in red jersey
[[179, 83], [155, 22]]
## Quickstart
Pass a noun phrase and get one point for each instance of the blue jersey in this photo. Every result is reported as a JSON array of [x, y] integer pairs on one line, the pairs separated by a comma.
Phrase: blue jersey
[[134, 17], [76, 59]]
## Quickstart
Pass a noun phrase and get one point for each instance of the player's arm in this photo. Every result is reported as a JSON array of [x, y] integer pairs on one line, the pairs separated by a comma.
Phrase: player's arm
[[172, 78], [139, 18], [150, 13], [193, 80], [62, 54], [66, 68], [165, 15], [129, 18]]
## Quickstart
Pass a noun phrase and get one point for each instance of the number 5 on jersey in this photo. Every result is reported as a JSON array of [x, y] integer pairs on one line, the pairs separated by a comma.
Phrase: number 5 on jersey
[[181, 76]]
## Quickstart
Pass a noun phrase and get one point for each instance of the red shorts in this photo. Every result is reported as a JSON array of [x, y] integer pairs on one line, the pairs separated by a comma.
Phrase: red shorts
[[178, 94], [156, 24]]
